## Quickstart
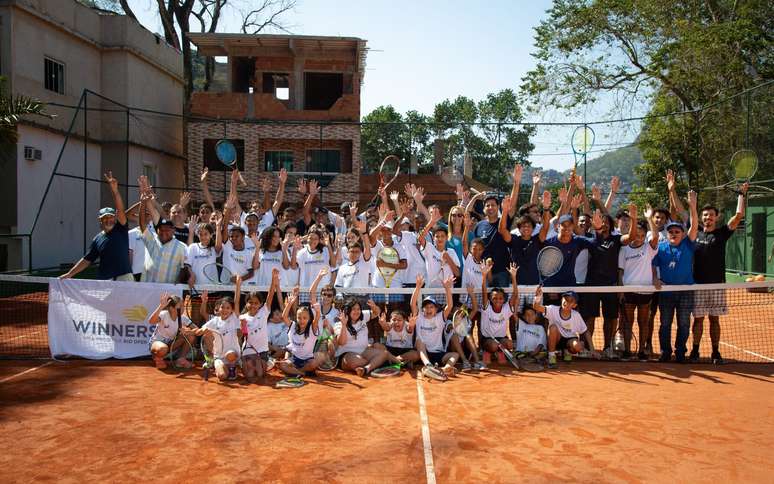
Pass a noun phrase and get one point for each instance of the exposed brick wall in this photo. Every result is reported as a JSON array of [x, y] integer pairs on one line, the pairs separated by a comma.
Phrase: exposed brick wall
[[233, 105], [298, 138], [299, 148]]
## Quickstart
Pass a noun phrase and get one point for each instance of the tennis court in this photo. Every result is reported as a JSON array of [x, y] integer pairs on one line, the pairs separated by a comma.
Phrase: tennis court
[[587, 421]]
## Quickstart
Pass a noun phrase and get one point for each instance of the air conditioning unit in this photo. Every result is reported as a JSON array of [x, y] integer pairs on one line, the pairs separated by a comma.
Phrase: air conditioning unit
[[32, 154]]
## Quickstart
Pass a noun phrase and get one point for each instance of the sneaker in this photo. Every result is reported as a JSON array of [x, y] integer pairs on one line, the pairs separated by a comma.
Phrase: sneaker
[[626, 355], [642, 356], [694, 356], [567, 357], [665, 358], [232, 373], [466, 365], [680, 359], [552, 361], [479, 365], [501, 358], [716, 358]]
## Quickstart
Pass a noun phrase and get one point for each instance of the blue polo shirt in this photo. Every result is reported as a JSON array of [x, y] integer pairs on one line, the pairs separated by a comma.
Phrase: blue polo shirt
[[566, 275], [494, 244], [112, 250], [675, 263]]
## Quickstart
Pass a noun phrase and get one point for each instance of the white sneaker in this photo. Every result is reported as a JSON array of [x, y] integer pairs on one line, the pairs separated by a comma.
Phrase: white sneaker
[[479, 365]]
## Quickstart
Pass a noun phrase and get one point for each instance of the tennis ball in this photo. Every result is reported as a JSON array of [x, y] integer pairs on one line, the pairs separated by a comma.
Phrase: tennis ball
[[489, 261]]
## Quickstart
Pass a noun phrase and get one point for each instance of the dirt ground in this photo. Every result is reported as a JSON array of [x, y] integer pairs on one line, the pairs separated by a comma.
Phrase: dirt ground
[[587, 421]]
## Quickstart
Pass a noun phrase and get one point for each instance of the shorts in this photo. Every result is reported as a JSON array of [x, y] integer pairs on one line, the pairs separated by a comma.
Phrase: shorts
[[300, 363], [637, 299], [166, 341], [436, 358], [590, 301], [563, 342], [263, 355], [499, 340], [709, 302], [394, 351]]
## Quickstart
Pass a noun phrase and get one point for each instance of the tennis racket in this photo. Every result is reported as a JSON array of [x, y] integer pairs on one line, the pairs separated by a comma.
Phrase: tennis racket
[[508, 356], [210, 341], [434, 373], [321, 346], [246, 345], [461, 323], [529, 363], [226, 152], [290, 382], [389, 170], [549, 262], [387, 371], [744, 164], [391, 256], [217, 273]]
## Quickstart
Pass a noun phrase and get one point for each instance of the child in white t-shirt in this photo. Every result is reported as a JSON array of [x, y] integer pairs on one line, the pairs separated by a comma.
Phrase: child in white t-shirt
[[530, 336], [224, 326], [431, 326], [255, 332], [496, 314], [566, 327], [440, 263], [170, 318]]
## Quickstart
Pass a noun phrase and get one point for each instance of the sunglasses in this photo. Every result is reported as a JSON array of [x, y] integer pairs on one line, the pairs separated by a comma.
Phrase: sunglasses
[[457, 215], [326, 294]]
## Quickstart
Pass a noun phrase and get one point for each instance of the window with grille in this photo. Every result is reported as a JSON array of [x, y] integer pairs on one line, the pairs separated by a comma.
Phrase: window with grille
[[324, 160], [53, 75], [277, 160]]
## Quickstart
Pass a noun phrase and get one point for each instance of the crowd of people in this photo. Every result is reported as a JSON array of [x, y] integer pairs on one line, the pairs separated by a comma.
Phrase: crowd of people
[[327, 271]]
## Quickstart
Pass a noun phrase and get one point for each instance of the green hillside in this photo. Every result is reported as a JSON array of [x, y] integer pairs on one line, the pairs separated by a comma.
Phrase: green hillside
[[620, 162]]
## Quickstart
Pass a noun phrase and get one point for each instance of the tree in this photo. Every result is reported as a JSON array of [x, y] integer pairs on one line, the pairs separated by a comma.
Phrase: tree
[[387, 132], [674, 55], [12, 109]]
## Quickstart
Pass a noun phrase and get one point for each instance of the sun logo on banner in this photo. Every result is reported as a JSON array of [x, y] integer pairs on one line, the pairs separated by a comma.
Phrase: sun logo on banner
[[136, 313]]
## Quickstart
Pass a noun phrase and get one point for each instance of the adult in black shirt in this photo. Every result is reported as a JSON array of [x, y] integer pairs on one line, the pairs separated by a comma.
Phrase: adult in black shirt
[[709, 267], [525, 248], [603, 271], [111, 245]]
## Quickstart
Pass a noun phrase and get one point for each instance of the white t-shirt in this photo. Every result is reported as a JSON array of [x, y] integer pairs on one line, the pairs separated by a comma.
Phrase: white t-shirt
[[237, 261], [400, 339], [278, 334], [494, 324], [257, 335], [310, 263], [289, 276], [376, 277], [197, 257], [137, 246], [269, 261], [167, 327], [266, 220], [568, 328], [227, 329], [300, 345], [636, 264], [471, 277], [355, 343], [416, 263], [354, 275], [530, 336], [437, 269], [329, 318], [430, 331]]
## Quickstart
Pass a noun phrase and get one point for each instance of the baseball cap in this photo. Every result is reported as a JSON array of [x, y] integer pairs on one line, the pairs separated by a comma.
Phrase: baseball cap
[[565, 218], [571, 294], [405, 221], [389, 225], [428, 300], [165, 221], [675, 224], [103, 212], [344, 207], [252, 214]]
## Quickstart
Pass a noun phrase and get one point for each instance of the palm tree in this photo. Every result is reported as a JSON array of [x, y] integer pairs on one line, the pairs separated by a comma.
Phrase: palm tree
[[12, 108]]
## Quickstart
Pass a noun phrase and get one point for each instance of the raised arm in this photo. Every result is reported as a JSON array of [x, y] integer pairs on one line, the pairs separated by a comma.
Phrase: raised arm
[[283, 180], [192, 224], [435, 217], [206, 189], [676, 207], [203, 306], [237, 292], [273, 288], [289, 304], [537, 303], [502, 227], [739, 215], [419, 197], [467, 225], [117, 200], [420, 281], [694, 230], [518, 169], [447, 287], [219, 222], [626, 238], [546, 216], [651, 227], [473, 302], [536, 177], [615, 184], [154, 318], [486, 268], [513, 269], [315, 283]]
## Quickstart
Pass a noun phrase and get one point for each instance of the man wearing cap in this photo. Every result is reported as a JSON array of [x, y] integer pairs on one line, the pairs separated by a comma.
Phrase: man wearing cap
[[166, 254], [487, 230], [674, 262], [111, 245]]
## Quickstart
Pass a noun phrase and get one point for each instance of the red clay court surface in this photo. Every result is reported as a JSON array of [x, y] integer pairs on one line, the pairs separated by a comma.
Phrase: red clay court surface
[[586, 422]]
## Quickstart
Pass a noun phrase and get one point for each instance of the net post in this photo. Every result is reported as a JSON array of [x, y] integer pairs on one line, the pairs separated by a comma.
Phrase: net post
[[85, 164]]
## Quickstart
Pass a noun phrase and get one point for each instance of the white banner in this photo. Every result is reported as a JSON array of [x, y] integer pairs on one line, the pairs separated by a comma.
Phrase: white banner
[[102, 319]]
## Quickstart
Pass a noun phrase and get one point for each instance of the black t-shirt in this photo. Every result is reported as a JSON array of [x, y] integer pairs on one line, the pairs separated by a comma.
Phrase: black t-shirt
[[112, 250], [494, 244], [709, 260], [603, 261], [524, 253], [181, 234], [301, 227]]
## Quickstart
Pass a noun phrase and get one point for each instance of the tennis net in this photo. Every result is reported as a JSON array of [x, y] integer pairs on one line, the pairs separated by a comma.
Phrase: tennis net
[[746, 313]]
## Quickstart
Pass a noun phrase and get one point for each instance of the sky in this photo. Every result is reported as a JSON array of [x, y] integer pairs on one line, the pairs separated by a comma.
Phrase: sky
[[423, 52]]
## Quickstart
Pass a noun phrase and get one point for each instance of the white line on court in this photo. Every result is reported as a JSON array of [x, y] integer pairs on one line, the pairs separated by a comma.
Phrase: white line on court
[[747, 351], [28, 370], [22, 336], [427, 446]]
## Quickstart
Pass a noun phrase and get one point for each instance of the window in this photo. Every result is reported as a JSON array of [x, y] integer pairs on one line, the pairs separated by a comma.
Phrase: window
[[323, 161], [277, 160], [322, 89], [53, 75], [211, 160], [149, 171], [277, 84]]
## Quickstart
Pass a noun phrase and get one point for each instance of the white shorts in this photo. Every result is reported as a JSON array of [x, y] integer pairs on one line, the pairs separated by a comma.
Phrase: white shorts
[[710, 302]]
